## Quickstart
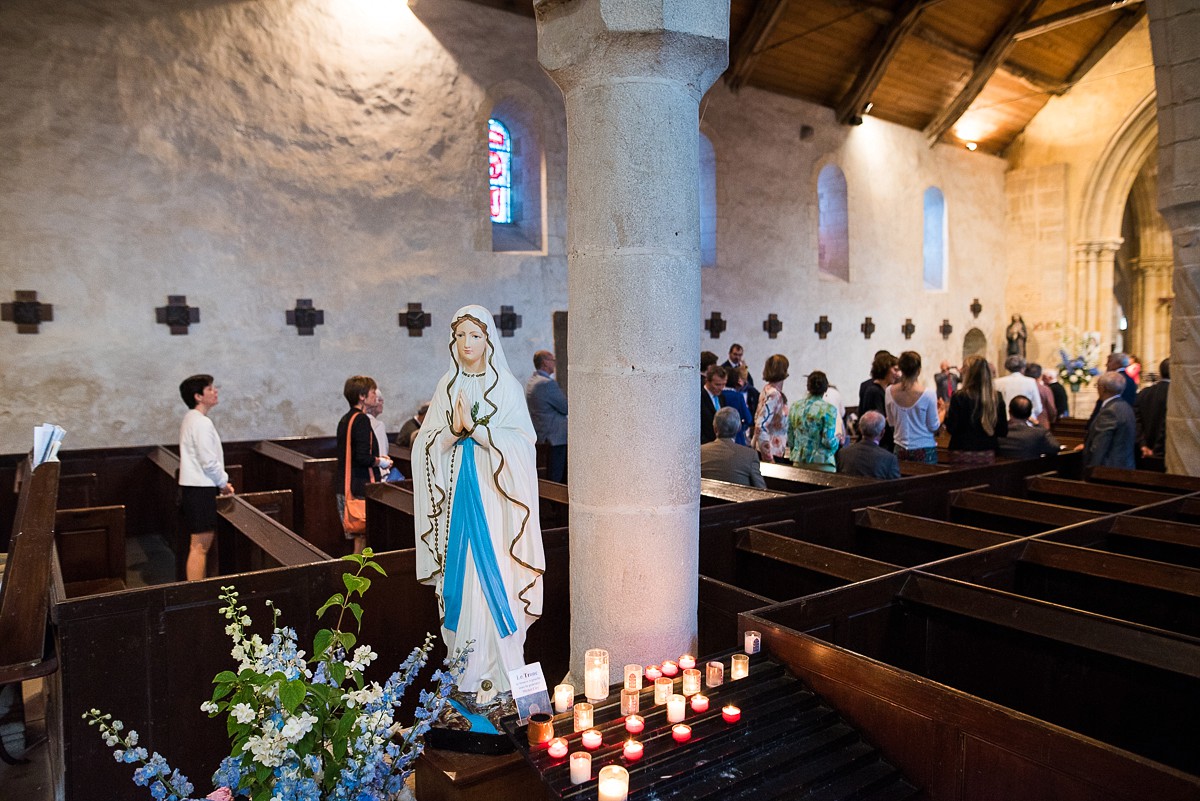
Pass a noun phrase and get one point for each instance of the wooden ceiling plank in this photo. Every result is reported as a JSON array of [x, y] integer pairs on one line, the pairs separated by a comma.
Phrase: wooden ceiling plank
[[1036, 80], [883, 49], [1069, 16], [1001, 44], [1122, 26], [766, 16]]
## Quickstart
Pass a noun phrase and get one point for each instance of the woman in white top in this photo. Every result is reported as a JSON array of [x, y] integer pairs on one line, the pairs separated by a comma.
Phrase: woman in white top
[[914, 411], [202, 475]]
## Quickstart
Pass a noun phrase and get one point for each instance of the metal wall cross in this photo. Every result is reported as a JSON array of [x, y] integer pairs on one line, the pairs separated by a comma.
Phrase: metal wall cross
[[177, 314], [415, 320], [908, 328], [772, 325], [305, 317], [508, 321], [714, 325], [946, 329], [868, 328], [26, 312], [823, 327], [976, 307]]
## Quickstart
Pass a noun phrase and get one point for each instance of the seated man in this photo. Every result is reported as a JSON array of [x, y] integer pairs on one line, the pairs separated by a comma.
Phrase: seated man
[[411, 426], [725, 460], [1025, 440], [866, 458]]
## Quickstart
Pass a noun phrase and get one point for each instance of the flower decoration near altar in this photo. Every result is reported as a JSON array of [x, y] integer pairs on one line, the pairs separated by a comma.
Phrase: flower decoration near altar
[[1078, 371], [303, 729]]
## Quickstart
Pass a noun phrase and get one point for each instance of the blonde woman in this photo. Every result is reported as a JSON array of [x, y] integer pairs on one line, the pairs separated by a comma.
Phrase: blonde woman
[[976, 417]]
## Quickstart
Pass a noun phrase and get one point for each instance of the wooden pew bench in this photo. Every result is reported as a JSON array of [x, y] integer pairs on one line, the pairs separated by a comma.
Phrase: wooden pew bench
[[390, 516], [915, 540], [782, 567], [1146, 538], [717, 611], [783, 478], [1098, 497], [313, 482], [401, 458], [1012, 515], [717, 493], [1144, 479], [250, 539], [90, 546]]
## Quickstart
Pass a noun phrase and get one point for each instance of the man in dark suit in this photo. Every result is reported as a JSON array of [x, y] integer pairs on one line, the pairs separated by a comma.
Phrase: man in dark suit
[[865, 457], [715, 379], [548, 411], [1150, 409], [725, 460], [1025, 440], [735, 361], [1113, 431], [1119, 362], [946, 380]]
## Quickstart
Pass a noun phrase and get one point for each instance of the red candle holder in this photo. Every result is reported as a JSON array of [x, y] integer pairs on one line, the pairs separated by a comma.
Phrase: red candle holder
[[557, 748], [670, 669], [591, 739], [687, 662], [699, 703], [653, 672], [633, 750], [634, 724], [681, 732], [731, 713]]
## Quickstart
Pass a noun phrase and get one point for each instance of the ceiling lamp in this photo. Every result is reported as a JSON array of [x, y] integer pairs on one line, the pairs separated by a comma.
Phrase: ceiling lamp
[[971, 146]]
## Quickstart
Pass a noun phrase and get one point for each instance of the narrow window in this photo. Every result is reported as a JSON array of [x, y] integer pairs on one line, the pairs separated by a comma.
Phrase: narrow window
[[833, 224], [935, 239], [500, 172]]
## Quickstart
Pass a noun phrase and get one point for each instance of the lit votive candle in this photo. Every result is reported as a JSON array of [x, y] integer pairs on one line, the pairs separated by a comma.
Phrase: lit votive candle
[[670, 669], [595, 674], [681, 732], [739, 667], [699, 703], [583, 716], [591, 739], [676, 708], [629, 701], [753, 642], [581, 767], [731, 713], [564, 697], [613, 783], [691, 681], [632, 750], [653, 672], [633, 677], [714, 675], [662, 690], [687, 662], [634, 724], [558, 748]]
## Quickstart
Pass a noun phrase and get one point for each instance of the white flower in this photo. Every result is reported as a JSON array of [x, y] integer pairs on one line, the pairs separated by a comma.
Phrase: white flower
[[209, 706], [243, 713], [364, 656], [268, 749], [297, 727]]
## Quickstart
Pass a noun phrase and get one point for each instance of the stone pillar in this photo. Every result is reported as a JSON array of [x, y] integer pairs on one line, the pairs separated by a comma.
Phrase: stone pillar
[[1093, 287], [632, 75], [1176, 51]]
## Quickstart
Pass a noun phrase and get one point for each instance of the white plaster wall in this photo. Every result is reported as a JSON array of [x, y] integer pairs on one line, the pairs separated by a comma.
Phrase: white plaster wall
[[1053, 160], [767, 239], [246, 155]]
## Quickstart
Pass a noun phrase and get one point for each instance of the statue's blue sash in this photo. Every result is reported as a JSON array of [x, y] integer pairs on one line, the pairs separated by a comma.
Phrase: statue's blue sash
[[469, 529]]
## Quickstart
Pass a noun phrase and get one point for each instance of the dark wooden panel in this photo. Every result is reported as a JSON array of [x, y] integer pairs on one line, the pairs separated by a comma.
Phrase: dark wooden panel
[[91, 549]]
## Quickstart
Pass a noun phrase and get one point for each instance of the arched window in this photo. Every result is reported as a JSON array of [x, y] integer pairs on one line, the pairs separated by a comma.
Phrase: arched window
[[708, 203], [935, 239], [833, 224], [500, 172]]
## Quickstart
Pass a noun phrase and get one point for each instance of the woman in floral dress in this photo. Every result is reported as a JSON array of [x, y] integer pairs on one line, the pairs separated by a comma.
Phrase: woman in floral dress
[[771, 417], [812, 427]]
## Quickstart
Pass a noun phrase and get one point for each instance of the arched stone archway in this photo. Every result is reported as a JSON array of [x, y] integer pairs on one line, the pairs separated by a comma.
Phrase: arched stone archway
[[974, 344]]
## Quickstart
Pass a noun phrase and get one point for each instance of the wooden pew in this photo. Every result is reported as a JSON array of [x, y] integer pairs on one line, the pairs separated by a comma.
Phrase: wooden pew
[[312, 481], [796, 479], [390, 517], [956, 537], [1099, 497], [90, 545], [716, 493], [401, 458], [979, 694], [25, 650], [717, 610], [554, 505], [1012, 515], [1146, 538], [783, 568], [1144, 479], [78, 490]]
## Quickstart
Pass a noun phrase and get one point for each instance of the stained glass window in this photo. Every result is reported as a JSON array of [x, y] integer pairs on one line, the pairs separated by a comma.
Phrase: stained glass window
[[500, 172], [935, 239]]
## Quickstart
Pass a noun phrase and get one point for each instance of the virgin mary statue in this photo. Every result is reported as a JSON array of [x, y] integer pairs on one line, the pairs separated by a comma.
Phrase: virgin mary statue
[[479, 539]]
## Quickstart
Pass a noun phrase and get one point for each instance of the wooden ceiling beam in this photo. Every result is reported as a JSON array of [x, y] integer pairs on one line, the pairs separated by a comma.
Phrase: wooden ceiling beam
[[766, 16], [997, 51], [1069, 16], [1123, 24], [883, 49], [1039, 81]]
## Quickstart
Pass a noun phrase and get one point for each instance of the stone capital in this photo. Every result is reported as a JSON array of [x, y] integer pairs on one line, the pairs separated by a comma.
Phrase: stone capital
[[589, 42]]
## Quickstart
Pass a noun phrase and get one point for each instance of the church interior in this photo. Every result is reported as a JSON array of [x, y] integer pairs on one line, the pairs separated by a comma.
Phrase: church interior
[[283, 193]]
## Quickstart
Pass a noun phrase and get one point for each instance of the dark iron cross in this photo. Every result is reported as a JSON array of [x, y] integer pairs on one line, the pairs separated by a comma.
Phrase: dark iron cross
[[26, 312], [976, 307], [772, 325], [714, 325], [946, 329], [177, 314], [508, 321], [868, 328], [823, 327], [415, 320], [305, 317], [908, 328]]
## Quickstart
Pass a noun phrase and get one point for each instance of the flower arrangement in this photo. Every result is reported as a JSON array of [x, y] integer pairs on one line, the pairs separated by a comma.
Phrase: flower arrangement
[[1079, 370], [303, 730]]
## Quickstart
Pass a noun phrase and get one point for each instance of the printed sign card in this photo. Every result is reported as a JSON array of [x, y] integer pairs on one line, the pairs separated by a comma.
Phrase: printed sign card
[[529, 691]]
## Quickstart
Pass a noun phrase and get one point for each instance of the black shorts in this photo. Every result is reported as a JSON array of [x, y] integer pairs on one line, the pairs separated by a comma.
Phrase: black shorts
[[199, 505]]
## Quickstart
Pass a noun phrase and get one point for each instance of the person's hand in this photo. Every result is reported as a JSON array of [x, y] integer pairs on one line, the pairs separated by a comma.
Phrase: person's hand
[[1147, 452], [385, 464], [227, 489], [462, 414]]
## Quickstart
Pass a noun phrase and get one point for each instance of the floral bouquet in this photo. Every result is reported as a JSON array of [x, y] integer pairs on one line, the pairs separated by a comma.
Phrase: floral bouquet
[[303, 730], [1079, 370]]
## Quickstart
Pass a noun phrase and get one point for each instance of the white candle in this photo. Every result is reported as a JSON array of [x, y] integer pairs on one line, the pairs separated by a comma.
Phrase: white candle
[[633, 677], [670, 668], [632, 750], [739, 667], [634, 724], [687, 661], [613, 783], [630, 700], [583, 716], [676, 708], [564, 697], [591, 739], [699, 703], [691, 681], [753, 642], [595, 674], [557, 748], [662, 689], [715, 674], [681, 732], [581, 767]]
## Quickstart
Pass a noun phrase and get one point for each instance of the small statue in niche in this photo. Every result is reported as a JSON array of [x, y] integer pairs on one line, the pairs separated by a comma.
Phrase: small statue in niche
[[1016, 334]]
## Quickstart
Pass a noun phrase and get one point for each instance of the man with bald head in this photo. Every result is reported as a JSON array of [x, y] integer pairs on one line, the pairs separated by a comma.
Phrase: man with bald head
[[1113, 431]]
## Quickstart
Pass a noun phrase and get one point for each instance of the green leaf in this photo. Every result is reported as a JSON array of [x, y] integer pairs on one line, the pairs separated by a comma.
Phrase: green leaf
[[355, 584], [337, 672], [291, 694], [356, 610], [356, 558], [224, 676], [335, 600], [321, 642], [222, 690], [347, 639], [375, 566]]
